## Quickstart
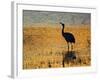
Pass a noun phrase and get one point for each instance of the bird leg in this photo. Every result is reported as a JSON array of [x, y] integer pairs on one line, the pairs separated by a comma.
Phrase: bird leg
[[63, 64], [71, 47], [68, 46]]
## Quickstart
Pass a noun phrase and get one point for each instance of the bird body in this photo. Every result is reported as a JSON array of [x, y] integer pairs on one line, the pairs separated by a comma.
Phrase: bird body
[[69, 37]]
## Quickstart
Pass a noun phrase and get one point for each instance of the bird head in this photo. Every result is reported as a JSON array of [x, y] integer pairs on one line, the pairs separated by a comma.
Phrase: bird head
[[62, 24]]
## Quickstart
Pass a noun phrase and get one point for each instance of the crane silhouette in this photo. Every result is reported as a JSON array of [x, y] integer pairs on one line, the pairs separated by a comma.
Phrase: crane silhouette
[[69, 37]]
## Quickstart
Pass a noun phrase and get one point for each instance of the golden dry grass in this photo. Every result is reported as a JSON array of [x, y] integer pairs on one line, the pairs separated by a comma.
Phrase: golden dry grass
[[44, 47]]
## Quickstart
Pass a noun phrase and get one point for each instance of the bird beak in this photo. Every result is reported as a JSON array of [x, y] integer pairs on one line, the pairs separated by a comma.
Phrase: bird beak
[[60, 22]]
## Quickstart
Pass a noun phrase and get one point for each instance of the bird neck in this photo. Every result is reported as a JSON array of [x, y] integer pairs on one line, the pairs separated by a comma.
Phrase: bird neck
[[62, 29]]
